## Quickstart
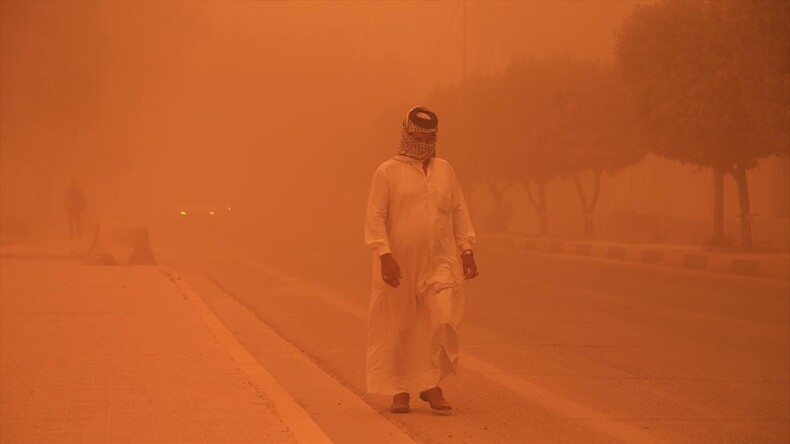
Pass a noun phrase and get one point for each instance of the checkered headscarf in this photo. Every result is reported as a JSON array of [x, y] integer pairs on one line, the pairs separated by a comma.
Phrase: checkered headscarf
[[418, 120]]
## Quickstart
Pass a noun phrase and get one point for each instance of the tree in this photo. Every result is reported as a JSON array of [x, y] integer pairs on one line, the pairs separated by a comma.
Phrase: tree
[[475, 134], [571, 117], [709, 82], [756, 37], [610, 142], [538, 120], [531, 110]]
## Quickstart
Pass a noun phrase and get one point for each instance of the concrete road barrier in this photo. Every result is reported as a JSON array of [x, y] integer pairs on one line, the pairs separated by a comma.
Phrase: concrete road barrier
[[583, 249], [760, 265], [652, 257], [615, 252], [120, 244], [526, 243], [748, 267], [695, 261]]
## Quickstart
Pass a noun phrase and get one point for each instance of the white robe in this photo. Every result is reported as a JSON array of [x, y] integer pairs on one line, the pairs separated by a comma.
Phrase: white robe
[[423, 221]]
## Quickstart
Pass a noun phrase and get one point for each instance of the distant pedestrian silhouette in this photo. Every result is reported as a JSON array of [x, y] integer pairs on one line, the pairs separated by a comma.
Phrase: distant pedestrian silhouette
[[74, 201]]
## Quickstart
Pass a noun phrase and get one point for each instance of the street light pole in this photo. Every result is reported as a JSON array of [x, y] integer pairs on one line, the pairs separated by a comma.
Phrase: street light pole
[[463, 68]]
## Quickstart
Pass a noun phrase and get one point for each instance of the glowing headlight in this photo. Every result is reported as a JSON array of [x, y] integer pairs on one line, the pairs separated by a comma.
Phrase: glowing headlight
[[183, 213], [211, 213]]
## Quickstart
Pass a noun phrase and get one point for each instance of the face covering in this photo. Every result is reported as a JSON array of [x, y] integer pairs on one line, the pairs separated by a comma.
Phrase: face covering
[[419, 120]]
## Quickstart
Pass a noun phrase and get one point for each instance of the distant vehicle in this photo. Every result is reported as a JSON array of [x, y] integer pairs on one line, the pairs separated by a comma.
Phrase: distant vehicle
[[198, 213]]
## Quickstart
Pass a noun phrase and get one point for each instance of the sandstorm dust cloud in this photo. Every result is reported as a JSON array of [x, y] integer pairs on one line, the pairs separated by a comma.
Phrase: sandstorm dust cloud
[[281, 110], [187, 189]]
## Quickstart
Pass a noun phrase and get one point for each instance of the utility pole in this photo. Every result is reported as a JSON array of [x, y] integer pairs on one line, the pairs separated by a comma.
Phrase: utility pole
[[463, 68]]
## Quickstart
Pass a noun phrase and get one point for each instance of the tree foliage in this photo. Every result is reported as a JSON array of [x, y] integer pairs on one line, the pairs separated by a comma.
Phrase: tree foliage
[[710, 82], [538, 120]]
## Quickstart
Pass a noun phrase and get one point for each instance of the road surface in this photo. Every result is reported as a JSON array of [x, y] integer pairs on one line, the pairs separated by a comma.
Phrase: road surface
[[556, 349]]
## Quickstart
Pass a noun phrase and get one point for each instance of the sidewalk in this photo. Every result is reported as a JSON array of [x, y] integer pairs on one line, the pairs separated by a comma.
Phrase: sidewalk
[[766, 265], [116, 354]]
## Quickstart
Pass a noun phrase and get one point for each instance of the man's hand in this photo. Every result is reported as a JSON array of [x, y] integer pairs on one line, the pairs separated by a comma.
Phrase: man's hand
[[390, 272], [469, 265]]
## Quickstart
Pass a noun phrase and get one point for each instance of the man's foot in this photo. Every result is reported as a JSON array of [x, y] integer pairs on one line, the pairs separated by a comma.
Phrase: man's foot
[[400, 403], [435, 398]]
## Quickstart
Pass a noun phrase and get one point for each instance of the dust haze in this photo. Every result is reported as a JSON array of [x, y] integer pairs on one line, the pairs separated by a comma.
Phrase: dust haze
[[626, 165], [280, 110]]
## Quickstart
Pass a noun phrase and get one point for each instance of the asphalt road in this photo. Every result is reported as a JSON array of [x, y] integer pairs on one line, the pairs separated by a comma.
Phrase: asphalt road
[[555, 348]]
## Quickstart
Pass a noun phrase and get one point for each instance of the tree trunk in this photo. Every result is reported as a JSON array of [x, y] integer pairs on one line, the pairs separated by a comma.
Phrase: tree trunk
[[739, 174], [498, 224], [588, 208], [718, 207], [539, 205], [501, 215], [542, 212]]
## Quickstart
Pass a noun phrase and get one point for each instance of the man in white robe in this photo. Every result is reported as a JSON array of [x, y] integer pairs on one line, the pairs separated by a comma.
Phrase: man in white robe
[[419, 228]]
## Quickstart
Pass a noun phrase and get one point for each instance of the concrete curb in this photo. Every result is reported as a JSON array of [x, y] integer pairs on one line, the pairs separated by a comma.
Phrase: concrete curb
[[645, 254], [344, 416], [302, 426]]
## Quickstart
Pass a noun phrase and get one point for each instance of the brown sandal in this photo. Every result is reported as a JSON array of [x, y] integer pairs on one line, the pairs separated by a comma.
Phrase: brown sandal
[[435, 398], [400, 403]]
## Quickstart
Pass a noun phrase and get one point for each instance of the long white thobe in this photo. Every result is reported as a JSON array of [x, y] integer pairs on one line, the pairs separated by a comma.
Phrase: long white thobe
[[422, 219]]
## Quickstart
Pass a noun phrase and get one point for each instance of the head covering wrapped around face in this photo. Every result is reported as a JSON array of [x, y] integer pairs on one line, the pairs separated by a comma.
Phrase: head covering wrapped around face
[[419, 120]]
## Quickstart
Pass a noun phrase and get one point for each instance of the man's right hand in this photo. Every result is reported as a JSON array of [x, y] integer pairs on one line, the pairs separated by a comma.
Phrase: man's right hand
[[390, 272]]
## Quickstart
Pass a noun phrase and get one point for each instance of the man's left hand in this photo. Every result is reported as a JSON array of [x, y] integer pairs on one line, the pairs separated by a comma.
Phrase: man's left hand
[[469, 266]]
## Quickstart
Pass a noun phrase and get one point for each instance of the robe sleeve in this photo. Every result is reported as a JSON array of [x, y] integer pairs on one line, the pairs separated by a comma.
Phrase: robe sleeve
[[463, 230], [376, 214]]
